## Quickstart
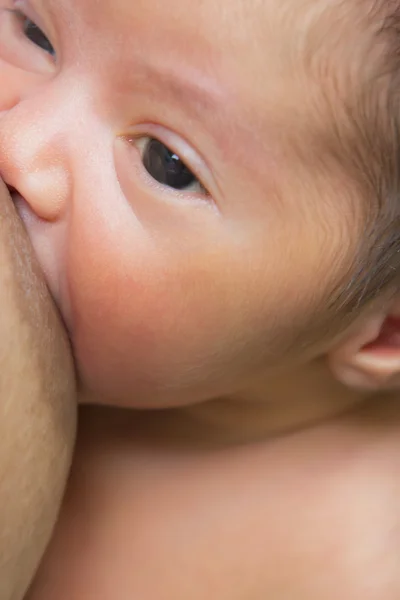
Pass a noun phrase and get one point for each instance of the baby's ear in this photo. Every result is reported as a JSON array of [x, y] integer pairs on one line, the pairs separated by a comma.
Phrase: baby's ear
[[369, 357]]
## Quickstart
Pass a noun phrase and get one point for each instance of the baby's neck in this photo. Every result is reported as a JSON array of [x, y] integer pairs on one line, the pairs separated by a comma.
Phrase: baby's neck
[[295, 400]]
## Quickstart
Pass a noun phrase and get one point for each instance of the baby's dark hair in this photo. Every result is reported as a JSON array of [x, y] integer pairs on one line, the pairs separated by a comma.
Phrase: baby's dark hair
[[352, 54], [373, 150], [379, 159]]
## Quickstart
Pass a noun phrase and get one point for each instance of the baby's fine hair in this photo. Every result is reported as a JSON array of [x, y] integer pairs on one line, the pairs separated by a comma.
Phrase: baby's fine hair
[[364, 138], [377, 155]]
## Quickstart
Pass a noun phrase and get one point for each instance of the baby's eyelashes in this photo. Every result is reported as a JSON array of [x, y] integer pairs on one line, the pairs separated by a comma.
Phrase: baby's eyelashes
[[166, 167], [35, 35], [31, 31], [23, 43]]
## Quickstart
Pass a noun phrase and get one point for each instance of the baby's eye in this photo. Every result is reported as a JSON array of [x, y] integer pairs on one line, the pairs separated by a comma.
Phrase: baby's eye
[[166, 167], [36, 36]]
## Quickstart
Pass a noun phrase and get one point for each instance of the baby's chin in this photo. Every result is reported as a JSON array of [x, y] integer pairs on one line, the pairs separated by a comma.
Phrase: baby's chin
[[135, 382]]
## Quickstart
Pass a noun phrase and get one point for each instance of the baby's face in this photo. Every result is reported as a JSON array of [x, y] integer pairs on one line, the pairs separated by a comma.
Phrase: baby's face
[[170, 160]]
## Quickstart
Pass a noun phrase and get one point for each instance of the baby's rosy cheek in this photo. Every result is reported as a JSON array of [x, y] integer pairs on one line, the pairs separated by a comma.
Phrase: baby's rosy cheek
[[114, 304], [13, 83], [8, 88]]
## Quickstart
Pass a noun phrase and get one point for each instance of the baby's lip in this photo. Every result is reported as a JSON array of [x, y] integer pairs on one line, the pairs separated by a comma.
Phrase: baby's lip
[[15, 195], [19, 202], [11, 189]]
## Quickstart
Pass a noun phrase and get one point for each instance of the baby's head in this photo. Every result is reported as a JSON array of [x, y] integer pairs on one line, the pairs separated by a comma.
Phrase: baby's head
[[212, 188]]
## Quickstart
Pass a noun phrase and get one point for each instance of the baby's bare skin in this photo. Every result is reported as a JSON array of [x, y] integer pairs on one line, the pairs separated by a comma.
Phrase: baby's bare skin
[[308, 516], [187, 177]]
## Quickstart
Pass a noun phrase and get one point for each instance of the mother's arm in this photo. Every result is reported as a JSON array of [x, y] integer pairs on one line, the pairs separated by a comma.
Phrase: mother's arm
[[37, 408]]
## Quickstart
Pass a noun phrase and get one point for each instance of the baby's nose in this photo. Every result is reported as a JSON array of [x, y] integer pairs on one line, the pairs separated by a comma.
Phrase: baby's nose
[[41, 138], [44, 190], [33, 161]]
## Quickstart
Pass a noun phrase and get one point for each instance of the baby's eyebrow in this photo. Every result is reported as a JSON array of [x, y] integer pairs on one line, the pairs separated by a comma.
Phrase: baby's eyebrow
[[185, 84]]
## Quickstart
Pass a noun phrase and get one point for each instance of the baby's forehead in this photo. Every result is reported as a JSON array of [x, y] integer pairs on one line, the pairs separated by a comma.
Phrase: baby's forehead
[[269, 40], [277, 69]]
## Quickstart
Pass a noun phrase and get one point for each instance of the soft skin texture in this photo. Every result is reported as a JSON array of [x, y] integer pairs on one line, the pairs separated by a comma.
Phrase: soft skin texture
[[37, 408], [174, 298], [308, 516]]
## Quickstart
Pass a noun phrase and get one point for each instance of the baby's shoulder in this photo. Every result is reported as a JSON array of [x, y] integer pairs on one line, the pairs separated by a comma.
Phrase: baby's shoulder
[[310, 515]]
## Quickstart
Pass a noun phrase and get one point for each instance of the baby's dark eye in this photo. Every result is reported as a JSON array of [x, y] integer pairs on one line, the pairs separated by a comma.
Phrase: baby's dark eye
[[37, 37], [166, 167]]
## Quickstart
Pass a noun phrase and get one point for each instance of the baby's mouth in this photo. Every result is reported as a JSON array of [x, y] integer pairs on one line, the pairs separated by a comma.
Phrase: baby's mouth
[[13, 193], [17, 199]]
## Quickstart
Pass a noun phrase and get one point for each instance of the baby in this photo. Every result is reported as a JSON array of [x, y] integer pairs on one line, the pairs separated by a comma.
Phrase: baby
[[211, 189]]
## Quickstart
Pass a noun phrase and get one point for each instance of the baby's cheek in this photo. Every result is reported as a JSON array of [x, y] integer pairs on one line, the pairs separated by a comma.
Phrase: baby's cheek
[[148, 322], [14, 84], [157, 321], [9, 86], [119, 313]]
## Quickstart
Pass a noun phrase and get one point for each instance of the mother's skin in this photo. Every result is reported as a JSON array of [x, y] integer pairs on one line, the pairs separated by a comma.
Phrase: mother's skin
[[37, 414]]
